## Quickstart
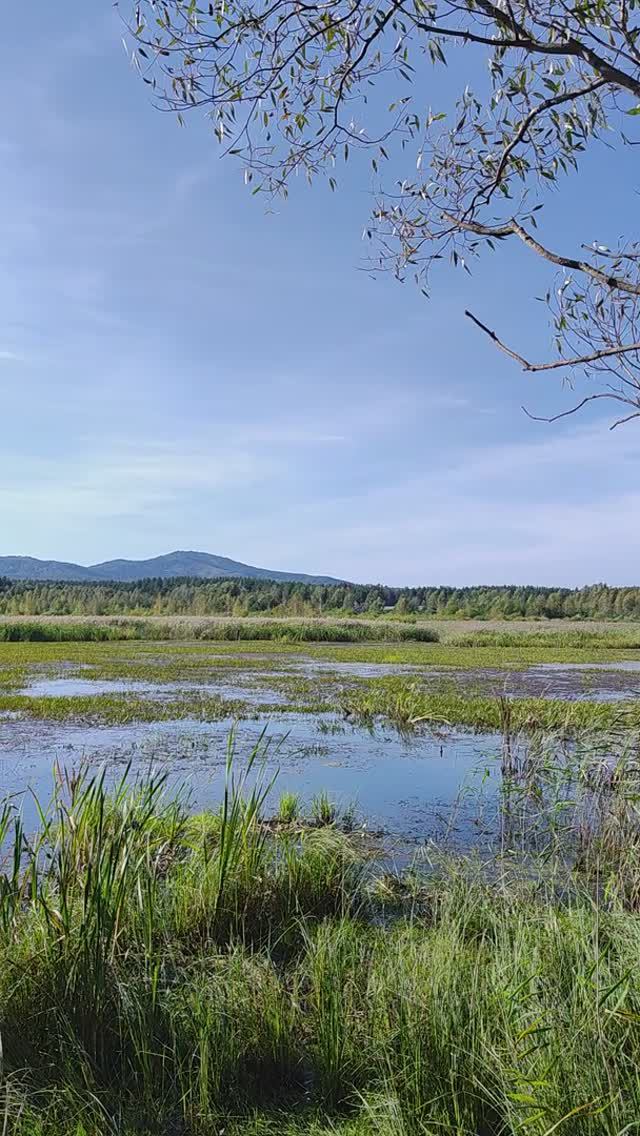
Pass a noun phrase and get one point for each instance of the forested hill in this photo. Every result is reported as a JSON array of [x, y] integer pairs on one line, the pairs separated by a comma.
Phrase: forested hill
[[200, 565], [248, 596]]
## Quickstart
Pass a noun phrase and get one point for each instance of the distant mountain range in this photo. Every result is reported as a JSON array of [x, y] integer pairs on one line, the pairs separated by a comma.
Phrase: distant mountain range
[[191, 564]]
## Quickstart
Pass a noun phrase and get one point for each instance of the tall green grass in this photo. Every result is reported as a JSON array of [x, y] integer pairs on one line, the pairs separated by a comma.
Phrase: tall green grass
[[550, 638], [64, 632], [285, 631], [162, 973]]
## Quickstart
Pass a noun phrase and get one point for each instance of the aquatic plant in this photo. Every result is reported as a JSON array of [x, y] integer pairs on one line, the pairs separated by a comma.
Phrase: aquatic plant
[[288, 808], [409, 706], [323, 809]]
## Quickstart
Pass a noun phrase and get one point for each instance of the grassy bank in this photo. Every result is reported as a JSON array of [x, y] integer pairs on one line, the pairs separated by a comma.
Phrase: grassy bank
[[571, 637], [164, 974]]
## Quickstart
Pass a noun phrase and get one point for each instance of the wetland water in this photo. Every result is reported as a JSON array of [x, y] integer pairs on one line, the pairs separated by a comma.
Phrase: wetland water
[[601, 682], [418, 786], [404, 785]]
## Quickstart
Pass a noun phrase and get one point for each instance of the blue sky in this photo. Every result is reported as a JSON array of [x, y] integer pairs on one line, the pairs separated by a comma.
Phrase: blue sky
[[180, 368]]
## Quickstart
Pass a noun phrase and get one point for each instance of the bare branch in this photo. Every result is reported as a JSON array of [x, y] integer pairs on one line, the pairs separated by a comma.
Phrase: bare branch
[[579, 405], [498, 342], [556, 364], [627, 418]]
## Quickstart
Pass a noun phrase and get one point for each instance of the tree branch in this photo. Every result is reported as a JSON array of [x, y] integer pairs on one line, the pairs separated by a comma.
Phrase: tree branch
[[556, 364], [570, 46], [546, 104], [583, 402], [514, 228], [464, 34], [611, 253], [498, 342]]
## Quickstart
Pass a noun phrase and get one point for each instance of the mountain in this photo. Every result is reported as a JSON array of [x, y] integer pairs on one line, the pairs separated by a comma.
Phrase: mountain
[[191, 564], [27, 568]]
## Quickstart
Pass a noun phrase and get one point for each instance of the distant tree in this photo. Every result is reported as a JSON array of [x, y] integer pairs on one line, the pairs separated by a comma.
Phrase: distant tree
[[292, 86], [402, 606], [374, 602]]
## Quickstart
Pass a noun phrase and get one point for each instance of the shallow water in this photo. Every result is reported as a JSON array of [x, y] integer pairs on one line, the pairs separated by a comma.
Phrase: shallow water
[[406, 786], [83, 687], [546, 680], [416, 787], [602, 682], [356, 670], [87, 687], [571, 682]]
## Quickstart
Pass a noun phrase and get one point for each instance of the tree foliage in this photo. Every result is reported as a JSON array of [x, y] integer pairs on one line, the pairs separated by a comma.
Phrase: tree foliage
[[241, 597], [292, 86]]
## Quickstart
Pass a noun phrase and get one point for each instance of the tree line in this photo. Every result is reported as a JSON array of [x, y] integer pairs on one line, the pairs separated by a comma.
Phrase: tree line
[[242, 597]]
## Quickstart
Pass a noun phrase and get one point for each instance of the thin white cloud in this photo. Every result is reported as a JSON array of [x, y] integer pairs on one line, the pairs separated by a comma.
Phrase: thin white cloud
[[294, 435], [453, 526], [123, 482]]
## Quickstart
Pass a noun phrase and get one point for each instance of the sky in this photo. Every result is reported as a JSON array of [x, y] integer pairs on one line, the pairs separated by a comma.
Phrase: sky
[[182, 367]]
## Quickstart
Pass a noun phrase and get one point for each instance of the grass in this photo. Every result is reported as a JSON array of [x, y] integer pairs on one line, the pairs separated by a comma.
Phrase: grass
[[582, 637], [165, 974], [287, 631], [323, 809], [167, 660], [288, 808], [409, 706], [292, 631], [397, 702], [443, 654], [111, 710], [181, 627]]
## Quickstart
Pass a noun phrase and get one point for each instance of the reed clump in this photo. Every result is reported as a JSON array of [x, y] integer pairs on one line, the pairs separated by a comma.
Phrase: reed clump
[[228, 630]]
